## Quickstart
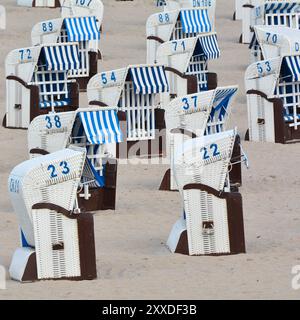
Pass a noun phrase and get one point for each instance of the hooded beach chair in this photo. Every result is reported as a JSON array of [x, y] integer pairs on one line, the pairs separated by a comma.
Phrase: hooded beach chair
[[2, 18], [83, 31], [82, 8], [271, 13], [37, 82], [40, 3], [57, 240], [136, 90], [96, 129], [185, 4], [212, 223], [197, 115], [273, 96], [275, 41], [175, 25], [186, 63]]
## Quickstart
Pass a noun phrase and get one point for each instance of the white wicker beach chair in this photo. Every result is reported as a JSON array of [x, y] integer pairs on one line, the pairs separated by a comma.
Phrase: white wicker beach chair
[[37, 82], [83, 8], [57, 239], [197, 115], [39, 3], [2, 18], [271, 13], [176, 25], [96, 129], [238, 13], [213, 216], [136, 91], [275, 41], [83, 31], [186, 64], [273, 93]]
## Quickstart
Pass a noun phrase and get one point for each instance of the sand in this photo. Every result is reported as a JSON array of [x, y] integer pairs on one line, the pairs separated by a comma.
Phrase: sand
[[132, 259]]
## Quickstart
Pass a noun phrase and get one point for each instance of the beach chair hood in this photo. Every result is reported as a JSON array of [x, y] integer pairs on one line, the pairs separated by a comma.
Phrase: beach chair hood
[[108, 86]]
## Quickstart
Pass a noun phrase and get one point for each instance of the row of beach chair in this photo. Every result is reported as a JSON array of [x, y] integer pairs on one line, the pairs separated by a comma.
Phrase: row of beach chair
[[172, 102]]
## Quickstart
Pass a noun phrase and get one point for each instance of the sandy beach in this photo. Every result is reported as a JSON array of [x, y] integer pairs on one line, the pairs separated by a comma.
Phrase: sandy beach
[[133, 261]]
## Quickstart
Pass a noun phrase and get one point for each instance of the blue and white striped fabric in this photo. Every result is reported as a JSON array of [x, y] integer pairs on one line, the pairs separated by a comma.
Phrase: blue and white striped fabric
[[283, 7], [91, 176], [101, 126], [148, 80], [290, 118], [61, 57], [49, 104], [293, 65], [82, 29], [219, 110], [210, 47], [195, 21]]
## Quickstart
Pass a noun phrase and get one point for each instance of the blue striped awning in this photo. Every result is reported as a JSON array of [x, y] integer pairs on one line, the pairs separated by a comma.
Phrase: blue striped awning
[[82, 29], [149, 79], [195, 21], [220, 105], [291, 67], [280, 7], [210, 47], [61, 57], [101, 126]]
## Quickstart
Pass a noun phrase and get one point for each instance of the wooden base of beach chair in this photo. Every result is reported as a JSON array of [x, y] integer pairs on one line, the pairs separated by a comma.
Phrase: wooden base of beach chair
[[102, 198], [93, 62], [24, 268], [143, 148], [56, 4], [166, 181], [178, 239], [235, 174], [281, 131]]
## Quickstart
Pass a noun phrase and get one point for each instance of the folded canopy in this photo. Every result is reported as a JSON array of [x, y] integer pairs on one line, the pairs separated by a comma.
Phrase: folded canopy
[[281, 7], [291, 67], [209, 47], [82, 29], [101, 126], [149, 79], [195, 21], [60, 57]]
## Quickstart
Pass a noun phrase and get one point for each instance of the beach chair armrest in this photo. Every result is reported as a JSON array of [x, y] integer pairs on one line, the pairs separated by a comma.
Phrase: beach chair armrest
[[58, 209], [184, 132], [21, 81], [276, 101], [206, 188], [38, 151], [154, 38]]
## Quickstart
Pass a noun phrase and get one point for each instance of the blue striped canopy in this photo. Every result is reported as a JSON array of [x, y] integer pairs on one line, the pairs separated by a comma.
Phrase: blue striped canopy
[[82, 29], [60, 57], [210, 47], [195, 21], [220, 105], [291, 67], [280, 7], [101, 126], [149, 79]]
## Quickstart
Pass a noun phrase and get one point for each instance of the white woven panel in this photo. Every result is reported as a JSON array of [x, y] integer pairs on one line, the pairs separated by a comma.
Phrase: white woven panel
[[51, 132], [201, 207], [51, 229]]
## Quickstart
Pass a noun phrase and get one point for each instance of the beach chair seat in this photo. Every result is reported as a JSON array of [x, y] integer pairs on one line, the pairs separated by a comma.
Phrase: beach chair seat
[[37, 82], [273, 93], [96, 129], [136, 90], [212, 223], [58, 239]]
